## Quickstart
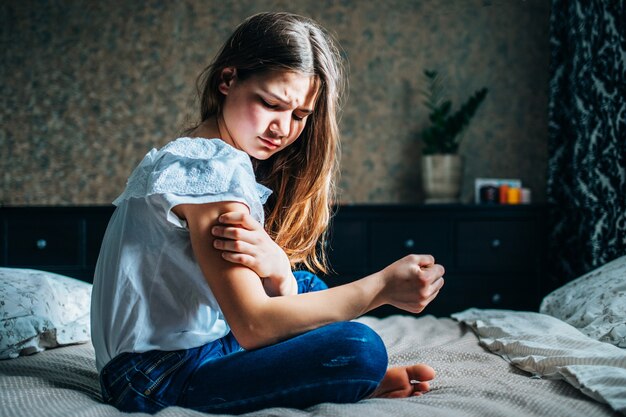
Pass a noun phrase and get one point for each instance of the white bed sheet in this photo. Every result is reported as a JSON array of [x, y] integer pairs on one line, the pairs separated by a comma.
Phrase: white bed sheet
[[471, 381]]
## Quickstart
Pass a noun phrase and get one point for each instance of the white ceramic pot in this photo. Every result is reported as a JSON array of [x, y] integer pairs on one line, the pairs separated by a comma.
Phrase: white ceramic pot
[[441, 178]]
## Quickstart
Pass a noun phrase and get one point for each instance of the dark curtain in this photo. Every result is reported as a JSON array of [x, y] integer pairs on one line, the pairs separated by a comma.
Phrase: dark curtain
[[587, 135]]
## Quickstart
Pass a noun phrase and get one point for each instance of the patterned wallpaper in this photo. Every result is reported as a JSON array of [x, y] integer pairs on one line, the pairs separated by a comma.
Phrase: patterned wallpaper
[[587, 146], [87, 88]]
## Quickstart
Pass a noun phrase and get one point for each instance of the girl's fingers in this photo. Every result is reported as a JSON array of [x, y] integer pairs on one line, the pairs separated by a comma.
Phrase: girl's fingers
[[437, 284], [233, 233], [433, 270], [238, 258], [240, 219], [236, 246], [432, 296], [426, 260], [433, 275]]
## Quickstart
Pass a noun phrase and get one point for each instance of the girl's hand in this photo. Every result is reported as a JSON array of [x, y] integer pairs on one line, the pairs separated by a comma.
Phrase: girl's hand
[[412, 282], [244, 241]]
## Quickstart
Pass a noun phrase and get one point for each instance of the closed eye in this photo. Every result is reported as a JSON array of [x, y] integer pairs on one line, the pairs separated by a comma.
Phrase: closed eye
[[305, 114], [278, 107], [269, 105]]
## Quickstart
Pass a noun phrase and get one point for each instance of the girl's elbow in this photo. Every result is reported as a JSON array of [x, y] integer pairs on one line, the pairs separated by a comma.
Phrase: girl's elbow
[[255, 326], [250, 336], [251, 343]]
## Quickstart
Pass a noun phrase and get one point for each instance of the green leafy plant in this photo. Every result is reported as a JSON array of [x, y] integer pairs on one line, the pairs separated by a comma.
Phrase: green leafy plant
[[443, 135]]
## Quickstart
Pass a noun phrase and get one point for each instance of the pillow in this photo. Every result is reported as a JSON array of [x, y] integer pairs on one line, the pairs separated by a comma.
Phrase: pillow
[[547, 347], [41, 310], [595, 303]]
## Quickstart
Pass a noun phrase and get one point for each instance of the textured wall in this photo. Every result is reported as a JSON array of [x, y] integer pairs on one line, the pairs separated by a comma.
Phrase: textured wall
[[87, 88]]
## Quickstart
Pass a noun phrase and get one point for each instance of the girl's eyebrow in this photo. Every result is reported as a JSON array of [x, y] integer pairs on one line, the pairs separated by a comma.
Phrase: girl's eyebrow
[[286, 102]]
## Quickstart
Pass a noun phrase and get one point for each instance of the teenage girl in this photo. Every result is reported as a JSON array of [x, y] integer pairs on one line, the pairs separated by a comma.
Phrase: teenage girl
[[194, 300]]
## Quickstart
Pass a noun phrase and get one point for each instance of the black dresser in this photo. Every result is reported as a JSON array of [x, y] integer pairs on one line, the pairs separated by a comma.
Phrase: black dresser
[[65, 240], [494, 256]]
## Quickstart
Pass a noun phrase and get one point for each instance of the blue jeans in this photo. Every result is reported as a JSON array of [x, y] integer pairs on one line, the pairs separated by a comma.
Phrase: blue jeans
[[341, 363]]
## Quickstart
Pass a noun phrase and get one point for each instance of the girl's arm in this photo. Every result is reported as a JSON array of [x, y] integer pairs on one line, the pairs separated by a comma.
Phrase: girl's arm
[[243, 240], [257, 319]]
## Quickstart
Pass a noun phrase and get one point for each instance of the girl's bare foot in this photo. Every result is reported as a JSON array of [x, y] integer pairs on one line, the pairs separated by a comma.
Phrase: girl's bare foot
[[405, 381]]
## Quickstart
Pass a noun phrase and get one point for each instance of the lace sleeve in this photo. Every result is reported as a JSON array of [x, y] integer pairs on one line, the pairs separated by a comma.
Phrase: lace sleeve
[[197, 171]]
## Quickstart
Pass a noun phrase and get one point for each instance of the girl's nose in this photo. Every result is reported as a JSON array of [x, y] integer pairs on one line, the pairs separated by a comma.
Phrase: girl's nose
[[280, 127]]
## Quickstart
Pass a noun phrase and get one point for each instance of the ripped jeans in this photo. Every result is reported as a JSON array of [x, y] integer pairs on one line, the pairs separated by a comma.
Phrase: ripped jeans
[[340, 363]]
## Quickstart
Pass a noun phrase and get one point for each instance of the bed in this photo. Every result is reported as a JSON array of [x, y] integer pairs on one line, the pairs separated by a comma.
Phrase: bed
[[569, 359]]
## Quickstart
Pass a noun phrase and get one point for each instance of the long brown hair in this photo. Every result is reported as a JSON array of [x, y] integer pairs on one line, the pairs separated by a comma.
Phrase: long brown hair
[[302, 176]]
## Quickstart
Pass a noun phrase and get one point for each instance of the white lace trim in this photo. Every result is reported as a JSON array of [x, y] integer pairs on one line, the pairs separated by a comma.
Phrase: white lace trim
[[195, 166]]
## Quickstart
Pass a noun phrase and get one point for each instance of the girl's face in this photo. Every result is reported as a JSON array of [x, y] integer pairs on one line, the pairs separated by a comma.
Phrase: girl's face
[[264, 114]]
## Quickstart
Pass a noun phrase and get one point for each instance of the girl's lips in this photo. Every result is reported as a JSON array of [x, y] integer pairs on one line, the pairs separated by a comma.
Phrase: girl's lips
[[269, 143]]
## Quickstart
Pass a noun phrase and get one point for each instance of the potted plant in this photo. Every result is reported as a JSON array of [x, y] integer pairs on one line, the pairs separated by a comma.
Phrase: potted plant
[[441, 163]]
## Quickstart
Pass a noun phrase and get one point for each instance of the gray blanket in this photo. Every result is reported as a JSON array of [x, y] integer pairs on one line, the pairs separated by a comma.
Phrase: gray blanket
[[471, 381]]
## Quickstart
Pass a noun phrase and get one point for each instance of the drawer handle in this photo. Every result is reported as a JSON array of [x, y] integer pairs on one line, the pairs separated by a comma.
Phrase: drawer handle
[[496, 298], [496, 243], [41, 244], [409, 243]]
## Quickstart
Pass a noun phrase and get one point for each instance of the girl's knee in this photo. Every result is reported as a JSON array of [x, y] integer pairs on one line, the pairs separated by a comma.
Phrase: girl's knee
[[364, 336], [360, 348]]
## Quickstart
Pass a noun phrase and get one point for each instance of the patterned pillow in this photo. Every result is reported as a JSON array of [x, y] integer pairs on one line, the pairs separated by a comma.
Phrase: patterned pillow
[[595, 303], [41, 310]]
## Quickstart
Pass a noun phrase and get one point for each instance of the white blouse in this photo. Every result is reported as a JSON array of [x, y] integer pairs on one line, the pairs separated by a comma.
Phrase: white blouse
[[149, 292]]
